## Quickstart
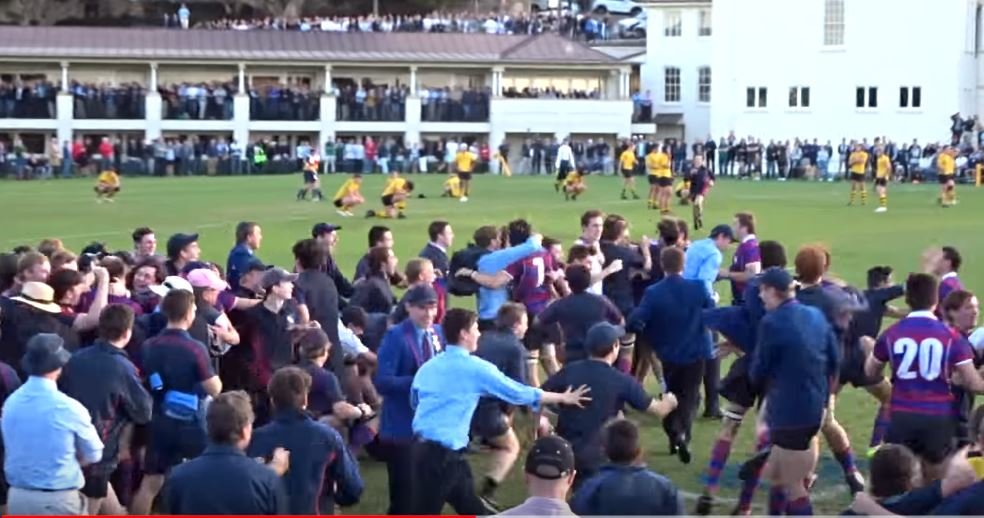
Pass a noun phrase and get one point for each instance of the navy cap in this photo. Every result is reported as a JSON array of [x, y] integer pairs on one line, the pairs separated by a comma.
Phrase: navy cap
[[321, 229], [550, 458], [601, 336], [254, 265], [420, 295], [723, 230], [777, 278], [45, 352], [177, 243]]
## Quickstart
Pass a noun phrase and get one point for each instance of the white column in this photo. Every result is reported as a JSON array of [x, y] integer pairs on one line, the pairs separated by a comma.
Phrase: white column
[[65, 116], [328, 87], [412, 134], [64, 76], [624, 84], [413, 81], [242, 78], [152, 106], [153, 78], [497, 73]]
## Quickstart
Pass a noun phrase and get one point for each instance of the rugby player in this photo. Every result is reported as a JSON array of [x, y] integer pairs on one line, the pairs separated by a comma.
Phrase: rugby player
[[464, 162], [312, 185], [107, 185], [660, 179], [856, 164], [883, 173], [947, 167], [701, 180], [394, 198], [349, 196], [573, 185], [627, 163]]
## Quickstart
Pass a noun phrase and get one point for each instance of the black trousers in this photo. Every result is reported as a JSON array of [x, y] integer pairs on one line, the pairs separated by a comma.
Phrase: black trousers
[[444, 476], [683, 380], [399, 471], [712, 380]]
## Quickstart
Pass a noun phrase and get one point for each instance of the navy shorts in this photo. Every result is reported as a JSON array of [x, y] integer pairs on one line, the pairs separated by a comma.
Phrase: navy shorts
[[489, 421], [737, 386], [930, 437], [796, 439], [945, 178], [465, 177], [881, 182], [309, 177], [387, 200], [171, 442], [96, 485], [852, 369]]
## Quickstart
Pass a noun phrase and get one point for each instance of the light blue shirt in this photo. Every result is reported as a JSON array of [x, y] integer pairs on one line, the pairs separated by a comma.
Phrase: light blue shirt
[[446, 391], [490, 300], [45, 434], [703, 263]]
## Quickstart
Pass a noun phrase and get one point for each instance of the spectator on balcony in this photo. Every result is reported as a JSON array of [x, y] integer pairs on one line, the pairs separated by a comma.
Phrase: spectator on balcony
[[184, 16]]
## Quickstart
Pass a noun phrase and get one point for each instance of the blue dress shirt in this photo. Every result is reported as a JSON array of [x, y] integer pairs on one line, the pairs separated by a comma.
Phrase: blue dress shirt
[[703, 263], [446, 391], [239, 257], [490, 300], [46, 433]]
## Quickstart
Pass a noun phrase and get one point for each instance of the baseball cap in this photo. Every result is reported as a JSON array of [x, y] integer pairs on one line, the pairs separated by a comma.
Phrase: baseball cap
[[601, 336], [177, 242], [420, 295], [550, 458], [723, 230], [777, 278], [321, 229], [254, 265], [45, 353], [171, 283], [195, 265], [275, 276], [206, 278]]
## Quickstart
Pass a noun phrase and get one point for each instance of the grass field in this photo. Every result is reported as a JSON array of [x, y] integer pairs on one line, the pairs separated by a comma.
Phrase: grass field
[[793, 213]]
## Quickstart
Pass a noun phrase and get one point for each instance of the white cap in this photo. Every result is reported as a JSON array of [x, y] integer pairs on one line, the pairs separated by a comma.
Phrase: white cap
[[977, 339], [171, 283]]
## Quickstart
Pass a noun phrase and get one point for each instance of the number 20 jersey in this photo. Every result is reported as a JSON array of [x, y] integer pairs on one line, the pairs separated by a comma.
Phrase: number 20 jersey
[[923, 353]]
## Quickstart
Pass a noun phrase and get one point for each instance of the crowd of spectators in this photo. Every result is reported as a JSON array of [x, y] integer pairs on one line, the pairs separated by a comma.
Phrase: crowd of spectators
[[587, 27], [549, 93], [365, 101], [456, 104], [297, 103], [202, 101], [92, 101], [27, 99]]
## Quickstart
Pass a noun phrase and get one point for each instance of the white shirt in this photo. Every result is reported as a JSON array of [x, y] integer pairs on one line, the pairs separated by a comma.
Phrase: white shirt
[[565, 153], [351, 343], [597, 265]]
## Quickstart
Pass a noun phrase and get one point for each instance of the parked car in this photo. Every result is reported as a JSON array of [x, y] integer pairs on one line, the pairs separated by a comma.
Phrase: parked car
[[573, 6], [616, 7], [634, 27]]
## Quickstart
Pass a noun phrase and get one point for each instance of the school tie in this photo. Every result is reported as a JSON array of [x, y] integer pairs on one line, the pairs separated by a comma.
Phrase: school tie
[[426, 350]]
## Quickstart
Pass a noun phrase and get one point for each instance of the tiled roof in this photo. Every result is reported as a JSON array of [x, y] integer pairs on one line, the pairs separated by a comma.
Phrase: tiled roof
[[268, 45]]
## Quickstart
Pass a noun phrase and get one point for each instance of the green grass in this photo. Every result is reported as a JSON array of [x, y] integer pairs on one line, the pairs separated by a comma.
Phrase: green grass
[[793, 213]]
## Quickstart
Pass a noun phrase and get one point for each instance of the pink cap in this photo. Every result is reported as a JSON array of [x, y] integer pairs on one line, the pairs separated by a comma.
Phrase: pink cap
[[206, 278]]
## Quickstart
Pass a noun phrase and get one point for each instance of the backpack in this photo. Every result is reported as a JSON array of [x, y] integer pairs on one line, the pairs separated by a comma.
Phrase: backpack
[[466, 258]]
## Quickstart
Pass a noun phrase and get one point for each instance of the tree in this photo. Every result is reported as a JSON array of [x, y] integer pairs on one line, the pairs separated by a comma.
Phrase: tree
[[39, 12]]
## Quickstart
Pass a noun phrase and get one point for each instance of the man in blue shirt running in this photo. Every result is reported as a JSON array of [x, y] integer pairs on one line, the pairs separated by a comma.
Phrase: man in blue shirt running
[[445, 392]]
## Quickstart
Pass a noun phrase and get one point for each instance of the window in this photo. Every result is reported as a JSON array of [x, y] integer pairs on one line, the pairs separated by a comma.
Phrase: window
[[671, 85], [866, 97], [705, 22], [672, 24], [756, 97], [704, 84], [799, 97], [833, 22], [910, 97]]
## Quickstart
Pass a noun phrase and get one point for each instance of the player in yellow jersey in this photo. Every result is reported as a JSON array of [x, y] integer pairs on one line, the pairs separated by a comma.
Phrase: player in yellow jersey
[[660, 180], [946, 166], [856, 163], [464, 163], [883, 173], [627, 163], [574, 185], [349, 195], [107, 185], [394, 198], [452, 187], [312, 184]]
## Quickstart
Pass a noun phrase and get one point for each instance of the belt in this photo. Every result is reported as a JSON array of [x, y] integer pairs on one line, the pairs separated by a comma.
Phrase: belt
[[45, 490]]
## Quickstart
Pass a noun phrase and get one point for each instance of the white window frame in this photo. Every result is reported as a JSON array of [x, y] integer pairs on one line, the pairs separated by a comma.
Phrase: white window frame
[[796, 96], [760, 97], [671, 92], [672, 23], [866, 98], [704, 27], [834, 23], [704, 83], [911, 98]]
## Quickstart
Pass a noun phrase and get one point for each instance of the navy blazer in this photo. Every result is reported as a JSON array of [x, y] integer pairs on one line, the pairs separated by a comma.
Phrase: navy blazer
[[671, 316], [398, 361], [223, 480], [322, 469]]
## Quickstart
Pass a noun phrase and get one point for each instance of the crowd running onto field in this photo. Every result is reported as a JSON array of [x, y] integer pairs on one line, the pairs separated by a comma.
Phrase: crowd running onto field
[[151, 378]]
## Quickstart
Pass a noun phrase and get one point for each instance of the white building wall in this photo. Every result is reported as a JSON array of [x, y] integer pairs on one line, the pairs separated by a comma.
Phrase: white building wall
[[688, 52], [887, 44]]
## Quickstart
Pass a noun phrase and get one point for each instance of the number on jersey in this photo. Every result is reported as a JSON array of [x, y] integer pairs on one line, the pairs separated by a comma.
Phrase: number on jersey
[[927, 356]]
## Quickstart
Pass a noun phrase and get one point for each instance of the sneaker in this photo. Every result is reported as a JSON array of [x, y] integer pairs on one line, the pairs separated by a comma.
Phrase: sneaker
[[464, 199], [881, 209], [349, 214], [705, 503], [401, 216], [341, 213], [490, 504], [370, 213], [872, 450], [855, 482], [683, 452]]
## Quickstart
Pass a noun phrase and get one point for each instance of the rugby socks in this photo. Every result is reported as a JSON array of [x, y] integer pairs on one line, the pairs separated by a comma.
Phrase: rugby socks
[[318, 194], [750, 484], [301, 194], [883, 200], [846, 460], [853, 192], [777, 501], [719, 457], [864, 196], [800, 507], [879, 427]]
